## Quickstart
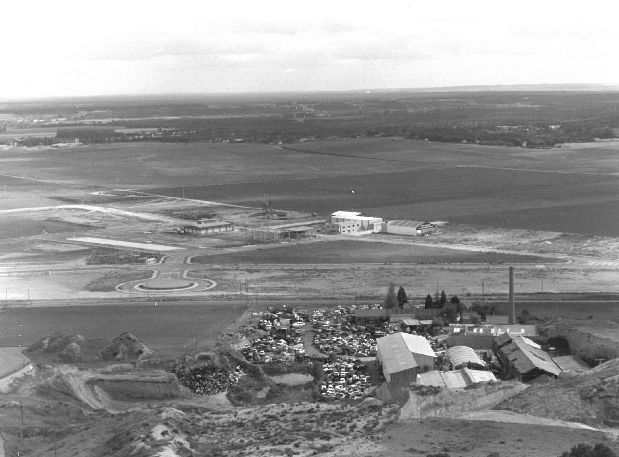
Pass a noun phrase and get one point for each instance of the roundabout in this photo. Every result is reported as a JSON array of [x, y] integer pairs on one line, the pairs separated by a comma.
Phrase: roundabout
[[166, 284], [173, 283]]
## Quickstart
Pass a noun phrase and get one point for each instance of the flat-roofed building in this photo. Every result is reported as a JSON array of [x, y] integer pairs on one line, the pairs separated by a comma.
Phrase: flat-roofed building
[[402, 356], [350, 222], [205, 226]]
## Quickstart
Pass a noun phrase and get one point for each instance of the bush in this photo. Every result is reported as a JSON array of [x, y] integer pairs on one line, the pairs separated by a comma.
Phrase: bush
[[586, 450]]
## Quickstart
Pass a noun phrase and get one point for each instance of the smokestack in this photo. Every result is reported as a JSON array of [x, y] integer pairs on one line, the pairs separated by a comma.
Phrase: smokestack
[[512, 304]]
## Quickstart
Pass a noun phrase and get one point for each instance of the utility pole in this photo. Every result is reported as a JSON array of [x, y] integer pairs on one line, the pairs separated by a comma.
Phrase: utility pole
[[54, 443], [21, 431], [483, 293]]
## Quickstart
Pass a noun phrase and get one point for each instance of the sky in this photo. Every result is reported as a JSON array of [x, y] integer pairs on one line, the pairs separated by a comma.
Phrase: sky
[[80, 48]]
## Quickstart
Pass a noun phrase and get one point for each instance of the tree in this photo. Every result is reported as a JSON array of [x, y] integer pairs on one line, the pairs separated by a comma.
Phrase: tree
[[402, 299], [457, 303], [429, 302], [390, 301], [449, 314], [442, 300]]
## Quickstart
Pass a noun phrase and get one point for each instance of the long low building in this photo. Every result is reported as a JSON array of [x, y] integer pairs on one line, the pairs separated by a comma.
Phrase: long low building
[[458, 379], [406, 227], [402, 356], [205, 226]]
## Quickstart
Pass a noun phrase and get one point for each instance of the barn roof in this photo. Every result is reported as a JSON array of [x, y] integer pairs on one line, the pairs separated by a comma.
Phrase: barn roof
[[394, 354], [417, 344], [525, 357]]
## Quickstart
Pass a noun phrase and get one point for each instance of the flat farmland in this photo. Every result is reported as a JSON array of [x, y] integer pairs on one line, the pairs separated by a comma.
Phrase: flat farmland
[[165, 327], [508, 198], [512, 187], [362, 252]]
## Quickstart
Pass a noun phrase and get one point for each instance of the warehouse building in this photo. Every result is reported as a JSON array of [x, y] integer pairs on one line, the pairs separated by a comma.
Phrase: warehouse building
[[406, 227], [349, 222], [523, 359], [403, 356], [205, 226]]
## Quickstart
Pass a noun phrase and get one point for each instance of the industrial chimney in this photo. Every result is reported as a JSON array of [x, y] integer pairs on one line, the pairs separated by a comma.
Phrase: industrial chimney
[[512, 304]]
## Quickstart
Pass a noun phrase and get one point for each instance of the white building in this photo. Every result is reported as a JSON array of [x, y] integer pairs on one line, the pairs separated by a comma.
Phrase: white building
[[353, 222]]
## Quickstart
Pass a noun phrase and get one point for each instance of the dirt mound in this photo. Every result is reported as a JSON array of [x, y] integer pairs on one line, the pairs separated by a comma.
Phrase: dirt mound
[[591, 398], [61, 348], [126, 347]]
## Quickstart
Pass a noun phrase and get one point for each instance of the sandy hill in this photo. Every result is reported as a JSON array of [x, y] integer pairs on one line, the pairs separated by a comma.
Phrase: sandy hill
[[591, 398]]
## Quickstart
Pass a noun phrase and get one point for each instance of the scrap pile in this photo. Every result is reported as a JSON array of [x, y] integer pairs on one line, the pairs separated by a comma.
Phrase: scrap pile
[[335, 334], [270, 349], [345, 378], [207, 380]]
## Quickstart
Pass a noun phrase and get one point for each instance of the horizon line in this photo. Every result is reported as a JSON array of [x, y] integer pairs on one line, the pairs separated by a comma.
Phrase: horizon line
[[532, 87]]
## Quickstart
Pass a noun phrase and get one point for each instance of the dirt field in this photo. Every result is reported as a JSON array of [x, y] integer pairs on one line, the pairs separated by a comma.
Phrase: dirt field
[[555, 189], [351, 251], [456, 437], [168, 329], [11, 360]]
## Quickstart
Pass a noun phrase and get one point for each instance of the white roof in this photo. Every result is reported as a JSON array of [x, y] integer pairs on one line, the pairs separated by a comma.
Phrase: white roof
[[417, 344], [394, 355], [345, 214]]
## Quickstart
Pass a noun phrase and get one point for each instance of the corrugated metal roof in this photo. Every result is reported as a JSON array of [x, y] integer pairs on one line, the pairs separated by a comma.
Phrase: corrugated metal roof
[[405, 223], [410, 322], [454, 379], [525, 358], [417, 344], [463, 355], [475, 376], [394, 354], [457, 379], [431, 378], [571, 363]]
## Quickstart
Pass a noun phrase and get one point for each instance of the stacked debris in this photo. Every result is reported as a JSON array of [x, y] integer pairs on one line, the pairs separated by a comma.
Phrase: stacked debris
[[207, 380]]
